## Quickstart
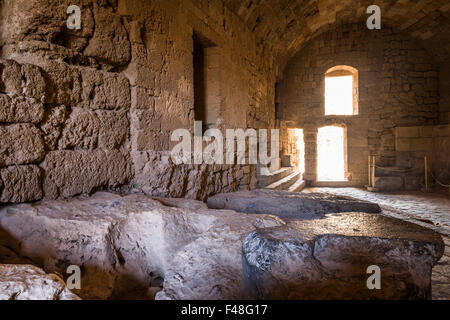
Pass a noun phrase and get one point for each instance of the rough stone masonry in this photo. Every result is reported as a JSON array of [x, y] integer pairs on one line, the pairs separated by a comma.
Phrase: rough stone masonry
[[89, 109]]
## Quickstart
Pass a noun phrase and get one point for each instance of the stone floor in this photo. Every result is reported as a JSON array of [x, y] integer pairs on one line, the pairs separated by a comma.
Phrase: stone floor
[[428, 210]]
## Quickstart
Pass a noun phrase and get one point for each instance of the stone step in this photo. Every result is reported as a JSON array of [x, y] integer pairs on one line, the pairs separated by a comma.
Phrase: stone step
[[285, 183], [267, 178], [298, 186]]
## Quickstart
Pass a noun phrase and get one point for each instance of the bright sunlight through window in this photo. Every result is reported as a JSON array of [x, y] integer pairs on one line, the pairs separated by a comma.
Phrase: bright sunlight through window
[[339, 95]]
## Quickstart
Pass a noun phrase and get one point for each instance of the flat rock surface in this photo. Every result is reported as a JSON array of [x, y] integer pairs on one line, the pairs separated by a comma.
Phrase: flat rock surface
[[431, 211], [328, 259], [134, 246], [289, 206], [140, 247], [26, 282]]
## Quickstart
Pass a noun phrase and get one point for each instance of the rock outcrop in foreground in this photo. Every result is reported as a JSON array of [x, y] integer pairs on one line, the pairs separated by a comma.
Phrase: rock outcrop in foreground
[[288, 205], [136, 246], [25, 282], [328, 259]]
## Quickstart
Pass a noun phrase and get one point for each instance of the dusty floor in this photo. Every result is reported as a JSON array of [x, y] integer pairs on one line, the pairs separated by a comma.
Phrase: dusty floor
[[428, 210]]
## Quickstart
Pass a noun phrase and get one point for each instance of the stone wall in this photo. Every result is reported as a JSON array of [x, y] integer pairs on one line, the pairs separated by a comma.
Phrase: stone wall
[[414, 143], [94, 109], [444, 82], [398, 86]]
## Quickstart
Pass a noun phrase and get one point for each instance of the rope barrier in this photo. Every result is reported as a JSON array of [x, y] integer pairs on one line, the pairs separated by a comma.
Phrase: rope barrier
[[438, 182], [398, 170], [413, 169]]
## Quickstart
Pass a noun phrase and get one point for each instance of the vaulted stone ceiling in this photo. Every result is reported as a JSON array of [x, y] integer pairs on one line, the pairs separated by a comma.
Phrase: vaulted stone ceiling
[[286, 25]]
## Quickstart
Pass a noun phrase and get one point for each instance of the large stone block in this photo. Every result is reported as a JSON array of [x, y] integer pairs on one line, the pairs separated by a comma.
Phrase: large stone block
[[105, 90], [414, 182], [35, 85], [21, 184], [20, 109], [403, 144], [142, 98], [289, 206], [11, 77], [114, 128], [442, 131], [110, 42], [133, 246], [64, 81], [32, 19], [328, 259], [407, 132], [80, 130], [51, 126], [421, 144], [388, 184], [69, 173], [20, 144]]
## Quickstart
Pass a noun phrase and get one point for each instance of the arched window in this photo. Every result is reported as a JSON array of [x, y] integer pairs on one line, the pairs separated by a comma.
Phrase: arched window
[[341, 91]]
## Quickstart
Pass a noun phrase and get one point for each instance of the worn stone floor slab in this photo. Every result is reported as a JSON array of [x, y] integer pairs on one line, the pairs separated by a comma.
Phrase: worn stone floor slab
[[426, 209], [289, 205]]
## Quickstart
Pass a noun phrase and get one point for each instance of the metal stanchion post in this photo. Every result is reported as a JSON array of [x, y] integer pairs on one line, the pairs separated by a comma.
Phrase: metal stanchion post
[[426, 173]]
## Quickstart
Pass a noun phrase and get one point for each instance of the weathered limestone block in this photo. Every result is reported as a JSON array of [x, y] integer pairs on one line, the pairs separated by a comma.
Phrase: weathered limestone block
[[45, 21], [142, 98], [20, 144], [26, 282], [388, 184], [182, 203], [11, 77], [64, 81], [21, 184], [69, 173], [80, 130], [20, 109], [105, 90], [88, 129], [414, 182], [47, 80], [51, 126], [110, 42], [35, 86], [127, 245], [328, 259], [32, 19], [288, 205], [157, 175], [114, 128]]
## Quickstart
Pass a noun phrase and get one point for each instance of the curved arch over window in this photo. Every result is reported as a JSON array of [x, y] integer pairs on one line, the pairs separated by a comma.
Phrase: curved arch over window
[[341, 91]]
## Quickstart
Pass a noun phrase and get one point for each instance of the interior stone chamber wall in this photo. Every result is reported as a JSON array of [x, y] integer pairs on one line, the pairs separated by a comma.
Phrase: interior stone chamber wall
[[94, 109], [398, 87]]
